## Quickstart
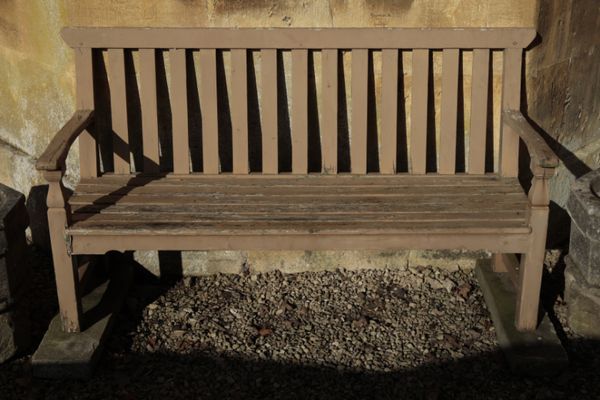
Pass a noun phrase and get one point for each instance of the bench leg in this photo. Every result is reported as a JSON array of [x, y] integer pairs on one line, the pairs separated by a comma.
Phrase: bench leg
[[65, 270], [498, 264], [67, 277], [530, 273]]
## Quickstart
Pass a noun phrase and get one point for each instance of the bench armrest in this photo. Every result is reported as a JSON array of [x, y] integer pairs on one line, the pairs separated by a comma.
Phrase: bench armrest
[[543, 159], [542, 156], [53, 158]]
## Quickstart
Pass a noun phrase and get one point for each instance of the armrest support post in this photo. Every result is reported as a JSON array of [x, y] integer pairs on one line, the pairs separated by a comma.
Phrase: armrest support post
[[57, 193]]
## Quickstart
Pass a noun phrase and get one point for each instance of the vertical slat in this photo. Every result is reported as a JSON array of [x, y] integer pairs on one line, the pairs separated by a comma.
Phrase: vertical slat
[[511, 100], [239, 110], [179, 112], [418, 112], [88, 154], [329, 69], [447, 159], [299, 111], [389, 119], [358, 143], [149, 110], [269, 111], [118, 108], [209, 111], [479, 110]]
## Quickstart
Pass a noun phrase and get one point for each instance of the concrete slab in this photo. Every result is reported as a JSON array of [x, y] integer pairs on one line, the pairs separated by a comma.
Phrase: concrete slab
[[538, 353], [75, 355]]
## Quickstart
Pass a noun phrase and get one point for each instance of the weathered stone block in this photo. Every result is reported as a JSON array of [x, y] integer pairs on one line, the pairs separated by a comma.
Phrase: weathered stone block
[[15, 328], [14, 307], [583, 302], [13, 221], [14, 271], [537, 353], [585, 252], [583, 206], [63, 355]]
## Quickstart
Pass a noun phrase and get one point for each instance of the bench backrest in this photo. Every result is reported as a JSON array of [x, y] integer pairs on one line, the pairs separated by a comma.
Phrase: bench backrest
[[174, 108]]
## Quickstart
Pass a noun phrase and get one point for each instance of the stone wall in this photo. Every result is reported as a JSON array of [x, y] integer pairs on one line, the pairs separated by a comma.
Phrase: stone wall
[[38, 82], [564, 99], [563, 95]]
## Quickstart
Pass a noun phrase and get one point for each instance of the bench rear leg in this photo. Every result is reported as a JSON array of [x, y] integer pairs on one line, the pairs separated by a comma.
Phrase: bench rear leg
[[498, 264], [530, 273], [65, 269]]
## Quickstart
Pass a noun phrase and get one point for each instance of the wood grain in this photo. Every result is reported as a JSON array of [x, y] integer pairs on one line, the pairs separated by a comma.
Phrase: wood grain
[[239, 110], [511, 100], [360, 98], [148, 101], [299, 111], [449, 109], [299, 38], [389, 104], [329, 136], [53, 158], [209, 111], [479, 111], [118, 108], [84, 75], [179, 111], [94, 242], [418, 112], [269, 111], [541, 154]]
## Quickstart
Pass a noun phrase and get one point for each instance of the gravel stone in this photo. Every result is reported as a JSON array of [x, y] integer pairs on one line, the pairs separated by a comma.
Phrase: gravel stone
[[398, 333]]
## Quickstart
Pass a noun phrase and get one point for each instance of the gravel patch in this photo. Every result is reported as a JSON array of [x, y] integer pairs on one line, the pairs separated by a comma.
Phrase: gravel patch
[[376, 320], [414, 333]]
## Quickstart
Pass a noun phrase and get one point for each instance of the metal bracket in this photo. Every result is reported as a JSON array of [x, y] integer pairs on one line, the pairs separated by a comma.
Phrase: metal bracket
[[69, 244]]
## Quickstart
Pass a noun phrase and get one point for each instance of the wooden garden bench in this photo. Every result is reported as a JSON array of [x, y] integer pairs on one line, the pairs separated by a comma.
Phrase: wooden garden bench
[[146, 202]]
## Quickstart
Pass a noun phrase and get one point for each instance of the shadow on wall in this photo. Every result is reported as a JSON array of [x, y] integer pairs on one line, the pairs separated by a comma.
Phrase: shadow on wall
[[559, 222], [108, 146]]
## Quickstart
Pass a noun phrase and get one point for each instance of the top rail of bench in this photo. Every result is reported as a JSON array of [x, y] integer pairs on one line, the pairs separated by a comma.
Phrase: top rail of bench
[[299, 38]]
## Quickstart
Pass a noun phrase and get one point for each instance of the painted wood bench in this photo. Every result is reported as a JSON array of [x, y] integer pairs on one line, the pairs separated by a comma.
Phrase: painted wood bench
[[165, 190]]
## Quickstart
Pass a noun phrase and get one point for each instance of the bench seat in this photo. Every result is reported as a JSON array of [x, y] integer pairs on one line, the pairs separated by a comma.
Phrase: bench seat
[[288, 205]]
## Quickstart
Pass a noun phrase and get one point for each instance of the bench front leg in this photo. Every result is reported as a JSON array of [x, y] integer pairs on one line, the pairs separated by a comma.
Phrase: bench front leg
[[52, 164], [532, 262], [65, 269]]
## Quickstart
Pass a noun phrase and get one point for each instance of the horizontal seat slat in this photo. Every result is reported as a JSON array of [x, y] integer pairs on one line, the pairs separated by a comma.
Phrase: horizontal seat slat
[[241, 189], [290, 180], [358, 200], [404, 190], [458, 218], [270, 207]]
